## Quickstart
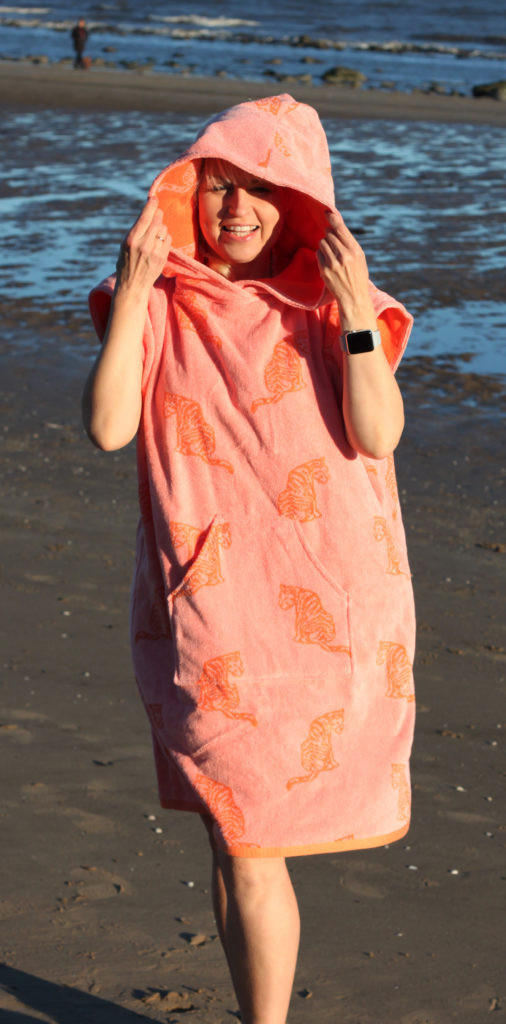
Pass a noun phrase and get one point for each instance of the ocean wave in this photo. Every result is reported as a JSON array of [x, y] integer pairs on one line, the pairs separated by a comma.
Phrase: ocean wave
[[220, 30], [198, 19], [24, 10]]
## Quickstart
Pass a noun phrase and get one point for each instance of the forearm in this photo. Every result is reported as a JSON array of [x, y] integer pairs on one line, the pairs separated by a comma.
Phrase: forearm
[[112, 399], [372, 404]]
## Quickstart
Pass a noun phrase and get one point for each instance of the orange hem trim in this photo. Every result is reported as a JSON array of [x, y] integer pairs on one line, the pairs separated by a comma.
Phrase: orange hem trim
[[336, 846]]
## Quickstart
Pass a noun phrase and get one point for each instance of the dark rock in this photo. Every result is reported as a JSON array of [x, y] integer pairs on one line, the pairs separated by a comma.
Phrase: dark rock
[[492, 90], [344, 76]]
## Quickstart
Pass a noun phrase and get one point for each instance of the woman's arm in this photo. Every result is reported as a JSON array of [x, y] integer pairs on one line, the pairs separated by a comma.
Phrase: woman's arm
[[372, 403], [112, 398]]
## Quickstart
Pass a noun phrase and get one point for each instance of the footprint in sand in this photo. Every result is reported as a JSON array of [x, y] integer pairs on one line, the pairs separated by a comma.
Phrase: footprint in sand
[[94, 883], [46, 800]]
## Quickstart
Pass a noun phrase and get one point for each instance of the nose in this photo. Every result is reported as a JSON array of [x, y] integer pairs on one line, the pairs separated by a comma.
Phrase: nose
[[237, 200]]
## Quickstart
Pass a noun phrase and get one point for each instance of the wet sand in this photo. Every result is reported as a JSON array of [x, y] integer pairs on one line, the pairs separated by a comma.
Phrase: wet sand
[[99, 919], [24, 84]]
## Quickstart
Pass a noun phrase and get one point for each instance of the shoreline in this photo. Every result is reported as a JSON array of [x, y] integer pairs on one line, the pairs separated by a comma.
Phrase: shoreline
[[24, 84]]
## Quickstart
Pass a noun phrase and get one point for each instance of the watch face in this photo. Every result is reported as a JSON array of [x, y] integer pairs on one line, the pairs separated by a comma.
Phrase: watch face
[[359, 341]]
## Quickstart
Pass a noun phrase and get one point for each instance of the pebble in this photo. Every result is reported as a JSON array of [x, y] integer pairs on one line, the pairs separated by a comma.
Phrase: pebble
[[158, 831], [460, 789], [191, 885], [454, 871], [412, 867]]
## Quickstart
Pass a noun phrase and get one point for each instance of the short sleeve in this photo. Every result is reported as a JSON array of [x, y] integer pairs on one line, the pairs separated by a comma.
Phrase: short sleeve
[[99, 302]]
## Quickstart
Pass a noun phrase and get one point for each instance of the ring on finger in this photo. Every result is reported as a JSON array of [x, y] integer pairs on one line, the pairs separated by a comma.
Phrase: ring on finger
[[161, 237]]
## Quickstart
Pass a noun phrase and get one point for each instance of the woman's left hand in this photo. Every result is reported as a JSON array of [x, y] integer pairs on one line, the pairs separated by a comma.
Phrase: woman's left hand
[[343, 268]]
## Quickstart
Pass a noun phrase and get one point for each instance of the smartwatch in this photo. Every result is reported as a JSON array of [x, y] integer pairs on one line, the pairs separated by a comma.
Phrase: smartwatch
[[354, 342]]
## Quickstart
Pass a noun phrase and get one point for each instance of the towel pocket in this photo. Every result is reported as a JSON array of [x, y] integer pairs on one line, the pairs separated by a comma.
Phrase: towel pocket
[[256, 602]]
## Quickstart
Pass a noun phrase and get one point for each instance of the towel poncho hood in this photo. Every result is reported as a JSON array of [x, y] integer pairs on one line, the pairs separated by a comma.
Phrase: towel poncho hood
[[276, 139], [272, 615]]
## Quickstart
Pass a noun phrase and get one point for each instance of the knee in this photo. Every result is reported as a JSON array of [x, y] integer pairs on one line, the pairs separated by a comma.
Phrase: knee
[[251, 876]]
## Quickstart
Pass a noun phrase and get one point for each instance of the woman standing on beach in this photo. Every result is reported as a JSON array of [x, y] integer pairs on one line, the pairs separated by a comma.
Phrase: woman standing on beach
[[272, 617]]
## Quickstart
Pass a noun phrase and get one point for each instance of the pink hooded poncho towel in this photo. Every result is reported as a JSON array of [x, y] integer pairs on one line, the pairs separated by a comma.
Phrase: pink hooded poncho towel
[[272, 618]]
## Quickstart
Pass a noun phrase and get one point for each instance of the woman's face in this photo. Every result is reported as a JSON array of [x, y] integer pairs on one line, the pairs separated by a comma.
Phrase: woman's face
[[241, 218]]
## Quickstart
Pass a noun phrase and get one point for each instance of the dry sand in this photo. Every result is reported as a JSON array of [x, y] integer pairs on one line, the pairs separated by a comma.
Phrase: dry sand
[[99, 922]]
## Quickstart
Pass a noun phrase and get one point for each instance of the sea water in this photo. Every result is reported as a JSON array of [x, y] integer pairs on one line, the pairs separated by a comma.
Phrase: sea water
[[426, 201], [408, 44]]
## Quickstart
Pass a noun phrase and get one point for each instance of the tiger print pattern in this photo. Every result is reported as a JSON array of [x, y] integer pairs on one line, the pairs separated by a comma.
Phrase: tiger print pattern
[[219, 800], [283, 372], [186, 183], [194, 435], [398, 670], [316, 753], [298, 500], [206, 572], [217, 691], [391, 484], [381, 532], [400, 782], [193, 316], [313, 624]]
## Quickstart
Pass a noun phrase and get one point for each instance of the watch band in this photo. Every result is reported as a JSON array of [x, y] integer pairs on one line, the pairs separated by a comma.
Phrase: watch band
[[354, 342]]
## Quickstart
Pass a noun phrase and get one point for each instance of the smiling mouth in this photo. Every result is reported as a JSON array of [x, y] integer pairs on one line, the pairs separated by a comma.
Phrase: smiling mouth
[[240, 230]]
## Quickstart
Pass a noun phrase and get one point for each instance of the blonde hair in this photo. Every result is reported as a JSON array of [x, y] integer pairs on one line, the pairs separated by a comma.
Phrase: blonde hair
[[215, 170]]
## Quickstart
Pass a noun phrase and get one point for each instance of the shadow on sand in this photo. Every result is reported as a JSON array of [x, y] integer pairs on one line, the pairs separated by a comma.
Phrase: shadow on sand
[[62, 1004]]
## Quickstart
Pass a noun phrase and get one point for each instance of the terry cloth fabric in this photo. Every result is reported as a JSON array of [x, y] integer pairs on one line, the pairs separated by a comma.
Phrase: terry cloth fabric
[[272, 614]]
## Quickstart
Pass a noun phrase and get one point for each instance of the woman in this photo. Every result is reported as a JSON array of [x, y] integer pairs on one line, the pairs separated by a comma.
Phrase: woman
[[272, 614]]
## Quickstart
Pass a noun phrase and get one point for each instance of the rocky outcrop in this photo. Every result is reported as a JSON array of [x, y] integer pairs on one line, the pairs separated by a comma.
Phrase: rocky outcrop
[[344, 76], [492, 90]]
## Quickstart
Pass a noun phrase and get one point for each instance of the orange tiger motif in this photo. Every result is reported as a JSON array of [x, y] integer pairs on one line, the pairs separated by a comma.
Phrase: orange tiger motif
[[220, 802], [158, 624], [194, 435], [400, 782], [298, 500], [186, 182], [316, 752], [280, 144], [313, 625], [283, 372], [398, 666], [207, 569], [193, 316], [270, 103], [391, 484], [217, 691], [381, 532]]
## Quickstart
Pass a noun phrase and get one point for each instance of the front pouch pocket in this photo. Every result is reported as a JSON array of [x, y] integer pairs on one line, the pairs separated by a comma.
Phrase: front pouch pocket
[[256, 598]]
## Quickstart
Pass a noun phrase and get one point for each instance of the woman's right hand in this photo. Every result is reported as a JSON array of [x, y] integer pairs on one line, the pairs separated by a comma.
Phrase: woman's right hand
[[144, 251], [112, 400]]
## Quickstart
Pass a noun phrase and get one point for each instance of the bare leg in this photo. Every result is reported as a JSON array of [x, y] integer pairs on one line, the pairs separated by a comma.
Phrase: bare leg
[[258, 920]]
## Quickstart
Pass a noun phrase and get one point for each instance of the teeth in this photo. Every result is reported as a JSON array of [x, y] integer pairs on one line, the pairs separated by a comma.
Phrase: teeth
[[243, 229]]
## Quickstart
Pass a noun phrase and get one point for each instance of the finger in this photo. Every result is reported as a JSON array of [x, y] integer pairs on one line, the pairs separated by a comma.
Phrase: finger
[[339, 227], [331, 249]]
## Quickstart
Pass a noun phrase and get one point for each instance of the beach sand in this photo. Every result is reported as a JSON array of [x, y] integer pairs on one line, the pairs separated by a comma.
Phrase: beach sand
[[105, 908], [25, 84]]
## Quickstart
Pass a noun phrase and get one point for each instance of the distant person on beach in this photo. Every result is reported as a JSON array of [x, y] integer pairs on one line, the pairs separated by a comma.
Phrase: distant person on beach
[[79, 36], [272, 619]]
